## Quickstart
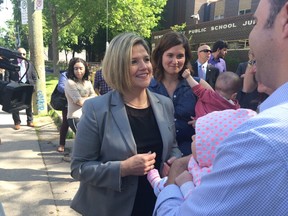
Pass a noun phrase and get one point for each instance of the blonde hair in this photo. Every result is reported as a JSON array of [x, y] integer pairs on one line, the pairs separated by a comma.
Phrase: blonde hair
[[117, 60]]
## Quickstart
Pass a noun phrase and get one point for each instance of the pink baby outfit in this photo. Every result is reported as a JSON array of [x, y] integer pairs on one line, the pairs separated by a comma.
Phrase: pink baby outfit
[[210, 131]]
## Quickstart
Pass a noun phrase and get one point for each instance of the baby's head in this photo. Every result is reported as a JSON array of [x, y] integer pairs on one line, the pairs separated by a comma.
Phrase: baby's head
[[212, 129], [228, 84]]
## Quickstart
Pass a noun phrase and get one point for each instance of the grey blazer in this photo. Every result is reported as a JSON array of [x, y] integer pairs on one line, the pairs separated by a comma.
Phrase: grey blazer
[[104, 139]]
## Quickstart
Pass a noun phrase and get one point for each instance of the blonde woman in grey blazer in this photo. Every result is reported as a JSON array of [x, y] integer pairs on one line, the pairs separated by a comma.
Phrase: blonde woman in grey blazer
[[122, 135]]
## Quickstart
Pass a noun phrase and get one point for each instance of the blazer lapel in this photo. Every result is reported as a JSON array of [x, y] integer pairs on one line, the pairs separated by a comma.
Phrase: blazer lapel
[[195, 69], [121, 119]]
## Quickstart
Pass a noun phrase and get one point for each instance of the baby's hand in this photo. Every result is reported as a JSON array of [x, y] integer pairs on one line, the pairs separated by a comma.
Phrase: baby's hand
[[186, 73], [183, 178]]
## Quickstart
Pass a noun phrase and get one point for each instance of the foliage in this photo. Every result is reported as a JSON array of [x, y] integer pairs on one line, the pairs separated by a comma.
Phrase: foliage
[[139, 16], [83, 24], [179, 28], [19, 31]]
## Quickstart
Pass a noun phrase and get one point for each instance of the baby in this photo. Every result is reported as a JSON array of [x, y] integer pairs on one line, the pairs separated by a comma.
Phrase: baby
[[211, 130], [224, 97]]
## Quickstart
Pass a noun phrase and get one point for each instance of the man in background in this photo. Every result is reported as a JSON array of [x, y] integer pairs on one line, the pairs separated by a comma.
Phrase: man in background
[[28, 78], [202, 68], [100, 86], [219, 52]]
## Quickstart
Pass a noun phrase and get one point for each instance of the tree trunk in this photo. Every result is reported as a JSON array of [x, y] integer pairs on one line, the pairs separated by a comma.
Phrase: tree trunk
[[37, 58], [55, 29]]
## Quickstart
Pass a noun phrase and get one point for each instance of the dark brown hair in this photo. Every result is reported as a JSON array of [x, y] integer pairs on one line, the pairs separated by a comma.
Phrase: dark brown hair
[[70, 71], [169, 40], [275, 7]]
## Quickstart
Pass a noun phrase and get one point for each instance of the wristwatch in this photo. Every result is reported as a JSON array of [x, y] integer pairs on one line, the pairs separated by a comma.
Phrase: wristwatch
[[251, 62]]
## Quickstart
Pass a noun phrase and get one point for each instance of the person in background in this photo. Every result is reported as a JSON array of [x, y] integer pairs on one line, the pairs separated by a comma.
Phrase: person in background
[[202, 68], [241, 68], [78, 88], [250, 83], [219, 52], [217, 124], [250, 173], [2, 74], [247, 98], [64, 126], [100, 86], [170, 58], [224, 97], [29, 78], [122, 135]]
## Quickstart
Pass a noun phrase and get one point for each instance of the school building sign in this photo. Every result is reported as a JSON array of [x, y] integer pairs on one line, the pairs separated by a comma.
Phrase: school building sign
[[234, 30]]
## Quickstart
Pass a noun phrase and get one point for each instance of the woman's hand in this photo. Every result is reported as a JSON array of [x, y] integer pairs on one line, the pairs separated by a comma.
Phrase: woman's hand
[[138, 165]]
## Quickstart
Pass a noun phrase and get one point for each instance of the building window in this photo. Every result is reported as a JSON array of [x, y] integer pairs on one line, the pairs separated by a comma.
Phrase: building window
[[244, 7], [219, 10]]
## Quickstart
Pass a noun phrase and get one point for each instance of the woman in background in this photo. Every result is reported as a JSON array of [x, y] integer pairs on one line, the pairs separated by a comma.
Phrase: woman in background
[[64, 126], [78, 88], [170, 58]]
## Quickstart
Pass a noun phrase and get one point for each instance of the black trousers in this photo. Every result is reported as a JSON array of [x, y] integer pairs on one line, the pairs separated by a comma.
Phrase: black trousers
[[64, 127]]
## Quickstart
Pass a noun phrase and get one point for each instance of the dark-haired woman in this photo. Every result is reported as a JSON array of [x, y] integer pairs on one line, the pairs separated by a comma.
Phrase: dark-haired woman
[[170, 58], [78, 89]]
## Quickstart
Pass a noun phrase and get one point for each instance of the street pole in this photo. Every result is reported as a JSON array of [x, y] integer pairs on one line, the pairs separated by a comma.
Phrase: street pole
[[107, 27], [37, 57]]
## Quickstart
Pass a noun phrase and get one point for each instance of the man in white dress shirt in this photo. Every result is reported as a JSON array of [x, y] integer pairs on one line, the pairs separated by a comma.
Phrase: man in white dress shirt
[[29, 78]]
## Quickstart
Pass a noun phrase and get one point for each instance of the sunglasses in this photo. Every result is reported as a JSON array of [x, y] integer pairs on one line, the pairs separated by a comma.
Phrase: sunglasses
[[206, 51]]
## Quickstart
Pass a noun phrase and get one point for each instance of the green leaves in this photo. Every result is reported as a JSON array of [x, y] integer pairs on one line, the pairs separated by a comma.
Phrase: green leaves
[[82, 23], [139, 16]]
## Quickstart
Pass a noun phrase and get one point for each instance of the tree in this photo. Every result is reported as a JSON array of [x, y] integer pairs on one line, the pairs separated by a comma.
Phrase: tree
[[20, 31], [139, 16], [58, 16], [8, 36], [71, 25], [67, 20]]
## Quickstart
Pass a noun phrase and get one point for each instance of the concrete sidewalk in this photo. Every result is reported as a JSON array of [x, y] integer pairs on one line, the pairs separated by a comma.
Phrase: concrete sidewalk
[[34, 178]]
